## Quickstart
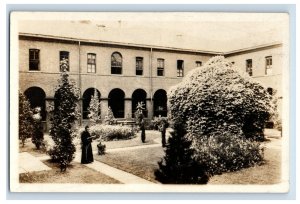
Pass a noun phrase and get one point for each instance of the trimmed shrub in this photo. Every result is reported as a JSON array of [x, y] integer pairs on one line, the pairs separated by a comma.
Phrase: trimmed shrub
[[110, 132], [63, 117], [26, 127]]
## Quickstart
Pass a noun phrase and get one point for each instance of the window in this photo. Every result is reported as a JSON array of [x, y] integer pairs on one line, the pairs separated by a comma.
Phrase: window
[[160, 67], [268, 65], [249, 66], [198, 63], [34, 59], [180, 68], [116, 63], [139, 66], [91, 63], [64, 55]]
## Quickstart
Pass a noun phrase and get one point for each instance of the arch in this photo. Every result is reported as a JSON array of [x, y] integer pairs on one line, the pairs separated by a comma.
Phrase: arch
[[139, 95], [116, 63], [37, 98], [116, 99], [160, 103], [86, 98]]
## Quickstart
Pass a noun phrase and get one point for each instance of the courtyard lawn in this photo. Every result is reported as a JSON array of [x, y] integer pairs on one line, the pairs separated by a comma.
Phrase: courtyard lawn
[[143, 162], [76, 173], [140, 162]]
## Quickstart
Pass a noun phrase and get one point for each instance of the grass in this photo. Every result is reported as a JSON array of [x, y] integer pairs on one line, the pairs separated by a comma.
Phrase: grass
[[76, 173], [268, 173], [151, 135], [140, 162], [143, 162], [30, 148]]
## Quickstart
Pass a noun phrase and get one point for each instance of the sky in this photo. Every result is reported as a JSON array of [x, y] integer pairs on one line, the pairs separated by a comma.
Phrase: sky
[[220, 32]]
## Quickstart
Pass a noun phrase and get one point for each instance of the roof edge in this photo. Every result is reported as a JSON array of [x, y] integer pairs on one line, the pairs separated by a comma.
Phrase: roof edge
[[145, 46]]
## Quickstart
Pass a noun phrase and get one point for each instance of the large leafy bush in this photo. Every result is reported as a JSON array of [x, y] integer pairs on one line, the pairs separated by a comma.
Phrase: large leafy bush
[[224, 111], [217, 97]]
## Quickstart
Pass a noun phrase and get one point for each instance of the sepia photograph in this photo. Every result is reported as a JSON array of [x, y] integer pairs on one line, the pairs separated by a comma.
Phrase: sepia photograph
[[149, 102]]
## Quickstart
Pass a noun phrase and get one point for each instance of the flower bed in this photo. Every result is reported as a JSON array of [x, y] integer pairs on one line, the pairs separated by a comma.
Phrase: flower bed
[[110, 132]]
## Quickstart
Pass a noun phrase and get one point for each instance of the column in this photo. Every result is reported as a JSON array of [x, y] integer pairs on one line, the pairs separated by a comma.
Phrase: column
[[104, 108], [149, 105], [128, 108]]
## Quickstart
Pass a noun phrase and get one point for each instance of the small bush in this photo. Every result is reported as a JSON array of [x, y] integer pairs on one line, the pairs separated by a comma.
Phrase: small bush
[[158, 121], [110, 132], [101, 148], [149, 124], [223, 152]]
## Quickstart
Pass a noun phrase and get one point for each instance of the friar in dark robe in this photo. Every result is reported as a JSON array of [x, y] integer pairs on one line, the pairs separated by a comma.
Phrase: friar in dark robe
[[143, 132], [87, 152]]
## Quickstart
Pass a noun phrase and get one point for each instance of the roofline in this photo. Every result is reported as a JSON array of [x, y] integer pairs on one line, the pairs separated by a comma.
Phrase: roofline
[[77, 40], [70, 39], [253, 48]]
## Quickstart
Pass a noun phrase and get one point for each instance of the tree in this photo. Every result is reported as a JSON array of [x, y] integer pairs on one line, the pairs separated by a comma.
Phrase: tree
[[178, 165], [25, 119], [95, 108], [109, 118], [38, 135], [63, 118], [139, 116], [139, 112]]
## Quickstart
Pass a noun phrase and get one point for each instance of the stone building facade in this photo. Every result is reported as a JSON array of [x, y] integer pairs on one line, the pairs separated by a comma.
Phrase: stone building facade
[[125, 74]]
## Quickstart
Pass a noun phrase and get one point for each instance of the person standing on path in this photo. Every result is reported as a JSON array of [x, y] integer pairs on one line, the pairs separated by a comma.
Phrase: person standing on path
[[143, 133], [87, 152], [162, 129]]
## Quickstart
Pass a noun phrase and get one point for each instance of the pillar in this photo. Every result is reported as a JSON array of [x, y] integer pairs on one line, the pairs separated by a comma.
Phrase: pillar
[[128, 108], [149, 105], [104, 108]]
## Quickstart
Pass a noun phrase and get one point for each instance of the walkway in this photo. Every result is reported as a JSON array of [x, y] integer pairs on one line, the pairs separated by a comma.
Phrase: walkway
[[112, 172], [29, 163]]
